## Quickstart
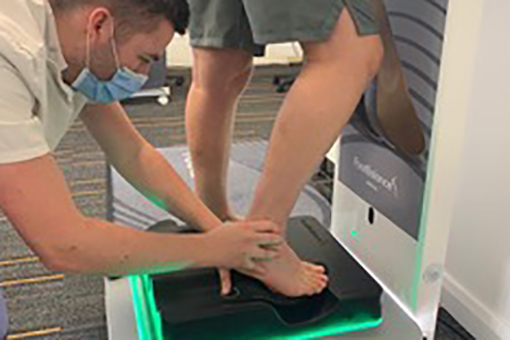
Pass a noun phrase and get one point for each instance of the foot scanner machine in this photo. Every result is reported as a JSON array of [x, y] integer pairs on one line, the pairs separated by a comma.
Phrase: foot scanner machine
[[383, 237]]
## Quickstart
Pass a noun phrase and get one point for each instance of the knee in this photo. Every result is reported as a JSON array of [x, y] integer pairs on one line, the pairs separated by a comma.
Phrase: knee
[[221, 70], [242, 77], [366, 56], [363, 55], [373, 57]]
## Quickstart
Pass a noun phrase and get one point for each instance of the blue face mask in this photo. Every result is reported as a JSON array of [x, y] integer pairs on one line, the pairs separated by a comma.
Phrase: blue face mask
[[122, 85]]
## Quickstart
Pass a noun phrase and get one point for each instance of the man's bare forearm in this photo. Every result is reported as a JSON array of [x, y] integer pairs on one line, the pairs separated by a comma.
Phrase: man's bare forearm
[[145, 168], [103, 248], [155, 178]]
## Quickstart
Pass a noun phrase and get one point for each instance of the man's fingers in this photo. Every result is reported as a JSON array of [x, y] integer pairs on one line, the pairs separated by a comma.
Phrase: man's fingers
[[269, 240], [226, 281], [275, 247], [264, 254], [265, 227], [249, 264]]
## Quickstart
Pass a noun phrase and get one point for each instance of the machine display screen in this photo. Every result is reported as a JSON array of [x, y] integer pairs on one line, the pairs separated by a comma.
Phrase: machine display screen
[[386, 147]]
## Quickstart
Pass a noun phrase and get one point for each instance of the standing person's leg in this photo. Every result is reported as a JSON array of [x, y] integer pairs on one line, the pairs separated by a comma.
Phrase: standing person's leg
[[289, 276], [319, 104], [223, 45], [219, 77], [222, 64]]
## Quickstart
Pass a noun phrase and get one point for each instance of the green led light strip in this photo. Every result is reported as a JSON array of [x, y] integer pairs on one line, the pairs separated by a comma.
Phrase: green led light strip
[[361, 324], [150, 327], [148, 320]]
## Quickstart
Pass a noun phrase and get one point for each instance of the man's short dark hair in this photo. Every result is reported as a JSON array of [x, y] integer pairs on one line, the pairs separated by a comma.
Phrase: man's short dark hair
[[137, 15]]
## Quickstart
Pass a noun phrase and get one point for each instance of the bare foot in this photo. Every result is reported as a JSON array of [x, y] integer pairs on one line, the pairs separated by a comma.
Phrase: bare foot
[[287, 275], [290, 276]]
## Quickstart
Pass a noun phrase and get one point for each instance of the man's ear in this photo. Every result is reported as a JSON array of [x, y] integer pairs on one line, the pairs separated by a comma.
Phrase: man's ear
[[100, 25]]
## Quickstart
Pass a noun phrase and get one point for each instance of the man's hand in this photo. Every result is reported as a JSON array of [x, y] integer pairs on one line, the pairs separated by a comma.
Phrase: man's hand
[[226, 281], [225, 274], [226, 277], [243, 245]]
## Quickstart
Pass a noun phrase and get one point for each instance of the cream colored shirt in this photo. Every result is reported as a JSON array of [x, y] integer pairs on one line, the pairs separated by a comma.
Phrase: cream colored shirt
[[36, 106]]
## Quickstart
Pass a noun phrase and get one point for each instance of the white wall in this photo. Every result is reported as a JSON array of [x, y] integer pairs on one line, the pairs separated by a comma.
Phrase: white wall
[[179, 53], [477, 284]]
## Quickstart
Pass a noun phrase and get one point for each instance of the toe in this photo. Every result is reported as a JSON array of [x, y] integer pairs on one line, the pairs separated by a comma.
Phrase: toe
[[315, 268], [320, 269], [324, 284], [318, 289]]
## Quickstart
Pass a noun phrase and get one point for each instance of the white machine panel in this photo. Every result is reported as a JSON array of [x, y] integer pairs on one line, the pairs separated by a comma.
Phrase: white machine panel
[[401, 238]]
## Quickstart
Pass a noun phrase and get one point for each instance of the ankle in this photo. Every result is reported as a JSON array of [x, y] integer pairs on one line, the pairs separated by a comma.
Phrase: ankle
[[280, 222], [229, 217], [219, 208]]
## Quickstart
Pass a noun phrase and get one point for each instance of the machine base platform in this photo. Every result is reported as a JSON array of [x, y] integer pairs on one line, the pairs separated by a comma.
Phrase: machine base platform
[[191, 307]]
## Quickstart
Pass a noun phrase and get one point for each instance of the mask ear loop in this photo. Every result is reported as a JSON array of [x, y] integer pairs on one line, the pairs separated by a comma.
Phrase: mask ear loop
[[114, 46], [87, 62]]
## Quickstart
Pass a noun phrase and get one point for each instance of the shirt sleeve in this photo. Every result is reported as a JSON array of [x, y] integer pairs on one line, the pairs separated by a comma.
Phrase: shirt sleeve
[[21, 132]]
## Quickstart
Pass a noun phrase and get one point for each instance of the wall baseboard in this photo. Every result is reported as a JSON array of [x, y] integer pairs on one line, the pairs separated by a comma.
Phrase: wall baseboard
[[472, 314]]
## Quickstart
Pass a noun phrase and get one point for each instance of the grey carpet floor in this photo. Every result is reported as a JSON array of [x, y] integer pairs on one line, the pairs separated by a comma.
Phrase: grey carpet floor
[[47, 305]]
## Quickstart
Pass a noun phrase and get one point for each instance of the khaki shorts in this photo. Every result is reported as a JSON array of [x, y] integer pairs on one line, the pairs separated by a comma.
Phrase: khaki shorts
[[251, 24]]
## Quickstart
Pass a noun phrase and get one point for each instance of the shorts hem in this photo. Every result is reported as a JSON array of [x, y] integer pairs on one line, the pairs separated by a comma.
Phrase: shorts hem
[[362, 31], [219, 43], [305, 36], [337, 10]]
